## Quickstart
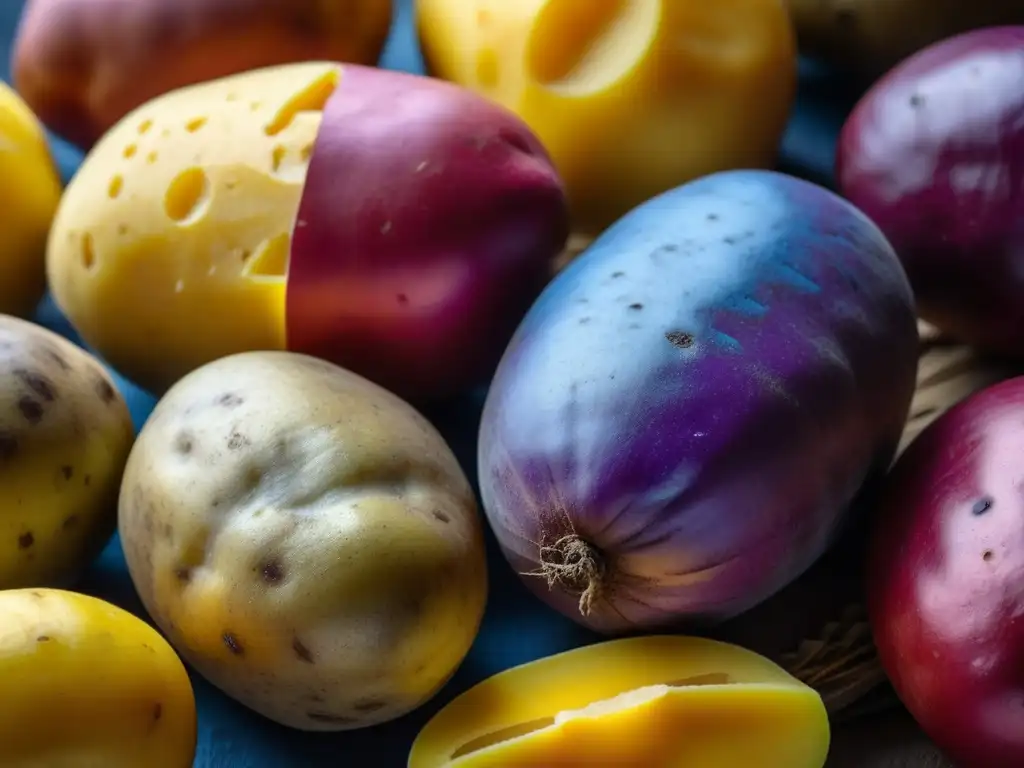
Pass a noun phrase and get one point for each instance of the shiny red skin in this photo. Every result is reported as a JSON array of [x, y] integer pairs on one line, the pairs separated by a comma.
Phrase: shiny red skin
[[428, 224], [946, 579], [934, 153]]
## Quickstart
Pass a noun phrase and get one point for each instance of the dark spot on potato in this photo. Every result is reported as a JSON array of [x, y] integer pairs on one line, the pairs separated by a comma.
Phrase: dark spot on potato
[[302, 651], [183, 574], [26, 540], [327, 717], [215, 503], [272, 572], [982, 505], [680, 339], [105, 390], [402, 299], [158, 711], [636, 307], [36, 595], [730, 240], [584, 320], [69, 522], [369, 705], [233, 644], [43, 639], [230, 400], [87, 480], [8, 446], [58, 358], [167, 531], [439, 515], [987, 555], [237, 440], [916, 100], [618, 274], [67, 471], [183, 443], [712, 217], [31, 409], [38, 383]]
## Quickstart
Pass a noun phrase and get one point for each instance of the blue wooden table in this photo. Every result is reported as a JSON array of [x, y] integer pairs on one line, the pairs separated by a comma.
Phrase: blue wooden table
[[516, 628]]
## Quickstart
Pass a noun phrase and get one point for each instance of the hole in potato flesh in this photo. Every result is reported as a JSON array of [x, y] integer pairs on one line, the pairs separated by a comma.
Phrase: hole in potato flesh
[[187, 196], [312, 98]]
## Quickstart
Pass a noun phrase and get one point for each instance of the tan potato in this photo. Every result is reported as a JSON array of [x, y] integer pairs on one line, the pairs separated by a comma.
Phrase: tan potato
[[866, 38], [65, 434], [305, 539]]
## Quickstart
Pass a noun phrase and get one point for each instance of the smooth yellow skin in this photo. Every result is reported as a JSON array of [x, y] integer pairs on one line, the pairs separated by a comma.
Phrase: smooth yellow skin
[[88, 685], [30, 189], [65, 434], [170, 247], [305, 539], [656, 702], [630, 97]]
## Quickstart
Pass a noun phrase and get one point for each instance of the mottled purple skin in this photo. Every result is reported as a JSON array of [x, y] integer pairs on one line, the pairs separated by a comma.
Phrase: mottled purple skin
[[934, 154], [699, 397]]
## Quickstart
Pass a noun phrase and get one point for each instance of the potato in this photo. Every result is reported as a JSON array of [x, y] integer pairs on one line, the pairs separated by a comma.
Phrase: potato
[[630, 97], [305, 539], [30, 188], [866, 38], [195, 230], [88, 684], [65, 434], [84, 64]]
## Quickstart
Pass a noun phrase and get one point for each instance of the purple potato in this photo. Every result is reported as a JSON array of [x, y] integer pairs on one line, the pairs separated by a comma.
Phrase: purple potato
[[683, 418], [934, 154]]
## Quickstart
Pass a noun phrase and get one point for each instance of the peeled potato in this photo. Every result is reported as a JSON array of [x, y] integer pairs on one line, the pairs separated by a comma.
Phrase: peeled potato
[[30, 189], [656, 702]]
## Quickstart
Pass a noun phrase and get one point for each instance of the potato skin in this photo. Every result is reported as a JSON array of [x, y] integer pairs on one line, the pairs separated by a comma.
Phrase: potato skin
[[866, 38], [84, 64], [305, 539], [89, 684], [65, 434], [30, 189]]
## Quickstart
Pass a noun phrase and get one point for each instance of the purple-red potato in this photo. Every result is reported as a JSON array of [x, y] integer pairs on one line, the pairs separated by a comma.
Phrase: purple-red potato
[[397, 225], [682, 420], [946, 578], [82, 65], [445, 240], [934, 153]]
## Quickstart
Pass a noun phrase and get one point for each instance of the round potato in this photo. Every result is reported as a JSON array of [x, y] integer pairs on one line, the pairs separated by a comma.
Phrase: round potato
[[305, 539], [65, 434], [866, 38], [84, 64], [30, 190], [88, 684]]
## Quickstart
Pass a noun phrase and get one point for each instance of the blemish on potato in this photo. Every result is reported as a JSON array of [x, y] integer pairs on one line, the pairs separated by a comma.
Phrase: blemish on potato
[[636, 307], [37, 383], [987, 555], [402, 299], [233, 644], [58, 358], [105, 390], [916, 100], [326, 717], [230, 400], [26, 540], [43, 639], [369, 705], [158, 711], [680, 339], [8, 446], [31, 409], [272, 572], [303, 653], [88, 252], [183, 575], [982, 505], [87, 480], [183, 443], [237, 440], [443, 517]]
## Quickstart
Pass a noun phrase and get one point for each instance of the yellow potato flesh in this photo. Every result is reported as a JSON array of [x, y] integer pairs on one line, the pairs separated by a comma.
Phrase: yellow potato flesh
[[170, 247], [30, 189], [676, 702], [630, 97], [88, 685]]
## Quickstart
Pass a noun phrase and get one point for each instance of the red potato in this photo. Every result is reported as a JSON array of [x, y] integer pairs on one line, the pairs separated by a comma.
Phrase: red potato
[[82, 65], [946, 579]]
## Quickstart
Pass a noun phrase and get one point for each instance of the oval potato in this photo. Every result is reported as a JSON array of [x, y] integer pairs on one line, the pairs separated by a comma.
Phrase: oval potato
[[88, 684], [84, 64], [65, 434], [305, 539]]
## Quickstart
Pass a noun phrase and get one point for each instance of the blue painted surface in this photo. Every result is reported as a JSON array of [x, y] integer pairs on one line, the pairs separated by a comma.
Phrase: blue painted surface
[[516, 628]]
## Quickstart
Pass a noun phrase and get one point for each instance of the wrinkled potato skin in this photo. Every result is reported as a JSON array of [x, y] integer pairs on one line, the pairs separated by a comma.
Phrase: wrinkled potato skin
[[82, 65], [305, 539], [65, 435], [866, 38]]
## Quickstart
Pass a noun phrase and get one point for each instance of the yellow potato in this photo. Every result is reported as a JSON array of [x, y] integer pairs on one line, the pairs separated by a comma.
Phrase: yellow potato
[[656, 702], [170, 247], [88, 685], [30, 190], [65, 434], [305, 539], [630, 97]]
